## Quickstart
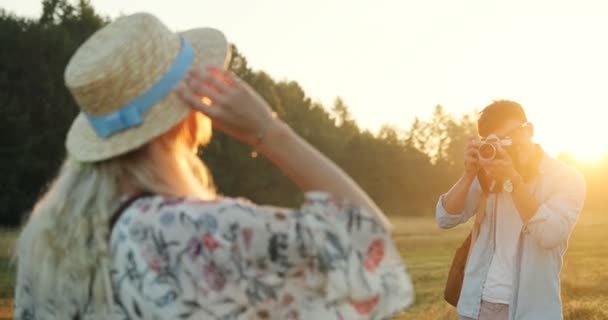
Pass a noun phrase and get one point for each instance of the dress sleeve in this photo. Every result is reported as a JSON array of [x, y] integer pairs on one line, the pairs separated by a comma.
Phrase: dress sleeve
[[332, 248]]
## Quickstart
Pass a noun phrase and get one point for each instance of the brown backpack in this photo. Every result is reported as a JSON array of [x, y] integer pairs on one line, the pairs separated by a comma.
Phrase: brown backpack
[[453, 285]]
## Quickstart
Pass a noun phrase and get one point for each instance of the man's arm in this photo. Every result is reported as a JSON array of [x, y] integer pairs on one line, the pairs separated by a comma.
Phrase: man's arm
[[455, 200], [524, 201], [458, 204], [552, 221]]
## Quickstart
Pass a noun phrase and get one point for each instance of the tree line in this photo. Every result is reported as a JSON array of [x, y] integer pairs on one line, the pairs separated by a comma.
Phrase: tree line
[[403, 170]]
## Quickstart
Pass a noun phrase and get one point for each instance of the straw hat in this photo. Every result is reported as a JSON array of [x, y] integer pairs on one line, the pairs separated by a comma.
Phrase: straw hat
[[122, 78]]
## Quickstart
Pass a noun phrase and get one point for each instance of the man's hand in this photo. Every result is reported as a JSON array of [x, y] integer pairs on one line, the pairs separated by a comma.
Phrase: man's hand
[[501, 167], [471, 157]]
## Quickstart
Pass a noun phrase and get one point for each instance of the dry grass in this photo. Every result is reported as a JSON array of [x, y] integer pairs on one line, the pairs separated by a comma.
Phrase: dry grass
[[428, 252]]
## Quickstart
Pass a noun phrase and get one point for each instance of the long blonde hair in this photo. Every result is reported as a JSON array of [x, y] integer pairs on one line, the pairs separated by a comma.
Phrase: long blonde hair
[[66, 240]]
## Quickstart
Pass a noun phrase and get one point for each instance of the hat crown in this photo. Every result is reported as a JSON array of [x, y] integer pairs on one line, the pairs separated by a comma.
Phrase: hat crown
[[120, 62]]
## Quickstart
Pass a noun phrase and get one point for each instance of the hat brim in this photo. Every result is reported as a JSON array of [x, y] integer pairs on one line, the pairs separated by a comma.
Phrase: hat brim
[[83, 144]]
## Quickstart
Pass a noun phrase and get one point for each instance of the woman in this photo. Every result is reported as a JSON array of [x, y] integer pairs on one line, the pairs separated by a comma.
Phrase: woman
[[132, 228]]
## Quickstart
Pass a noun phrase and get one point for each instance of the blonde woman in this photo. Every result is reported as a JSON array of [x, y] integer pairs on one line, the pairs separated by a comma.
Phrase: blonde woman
[[132, 227]]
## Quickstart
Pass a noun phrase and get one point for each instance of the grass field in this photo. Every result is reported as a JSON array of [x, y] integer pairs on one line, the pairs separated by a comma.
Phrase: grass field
[[428, 251]]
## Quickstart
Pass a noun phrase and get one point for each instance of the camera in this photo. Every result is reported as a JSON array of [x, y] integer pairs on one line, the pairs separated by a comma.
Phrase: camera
[[488, 147]]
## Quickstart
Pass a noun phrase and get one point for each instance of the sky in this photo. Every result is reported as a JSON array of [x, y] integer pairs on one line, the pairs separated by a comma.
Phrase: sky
[[392, 61]]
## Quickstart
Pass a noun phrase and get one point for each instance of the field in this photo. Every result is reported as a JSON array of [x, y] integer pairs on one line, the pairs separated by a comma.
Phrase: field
[[428, 250]]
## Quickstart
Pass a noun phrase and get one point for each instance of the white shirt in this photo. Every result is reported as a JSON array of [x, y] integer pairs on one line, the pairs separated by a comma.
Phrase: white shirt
[[498, 286]]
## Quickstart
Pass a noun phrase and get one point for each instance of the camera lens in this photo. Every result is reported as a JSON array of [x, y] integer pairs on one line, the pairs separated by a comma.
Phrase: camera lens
[[487, 151]]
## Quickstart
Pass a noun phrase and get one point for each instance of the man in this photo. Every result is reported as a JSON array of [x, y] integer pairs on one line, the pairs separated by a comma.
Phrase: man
[[529, 202]]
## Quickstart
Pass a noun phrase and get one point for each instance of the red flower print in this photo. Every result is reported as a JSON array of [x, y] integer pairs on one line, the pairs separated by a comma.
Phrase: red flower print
[[292, 315], [247, 235], [311, 267], [210, 242], [194, 247], [375, 254], [366, 306], [155, 262], [145, 207], [214, 277], [339, 204], [287, 300]]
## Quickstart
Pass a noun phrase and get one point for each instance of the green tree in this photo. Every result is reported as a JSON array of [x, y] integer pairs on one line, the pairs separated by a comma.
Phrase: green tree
[[36, 108], [403, 170]]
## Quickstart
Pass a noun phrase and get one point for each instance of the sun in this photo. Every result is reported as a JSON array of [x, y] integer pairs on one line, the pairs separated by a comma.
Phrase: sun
[[578, 141], [586, 148], [586, 155]]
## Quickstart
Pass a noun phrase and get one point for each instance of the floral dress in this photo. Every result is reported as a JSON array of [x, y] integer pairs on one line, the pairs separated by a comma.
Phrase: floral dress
[[229, 259]]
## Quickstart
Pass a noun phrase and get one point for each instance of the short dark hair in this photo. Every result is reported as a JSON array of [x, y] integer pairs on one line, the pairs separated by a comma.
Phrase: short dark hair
[[495, 114]]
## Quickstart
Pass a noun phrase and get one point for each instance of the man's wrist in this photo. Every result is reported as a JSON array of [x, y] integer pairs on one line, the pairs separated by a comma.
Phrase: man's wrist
[[469, 177]]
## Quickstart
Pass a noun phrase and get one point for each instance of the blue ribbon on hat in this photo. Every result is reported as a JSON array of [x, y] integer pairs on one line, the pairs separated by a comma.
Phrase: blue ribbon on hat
[[131, 114]]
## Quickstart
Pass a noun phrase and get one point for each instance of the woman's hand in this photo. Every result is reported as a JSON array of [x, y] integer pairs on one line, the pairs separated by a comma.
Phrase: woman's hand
[[232, 105], [237, 110]]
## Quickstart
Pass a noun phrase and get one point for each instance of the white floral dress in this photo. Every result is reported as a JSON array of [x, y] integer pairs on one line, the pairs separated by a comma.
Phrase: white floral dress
[[230, 259]]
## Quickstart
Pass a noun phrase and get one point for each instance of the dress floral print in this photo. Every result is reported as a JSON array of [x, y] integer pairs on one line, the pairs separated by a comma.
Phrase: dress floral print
[[230, 259]]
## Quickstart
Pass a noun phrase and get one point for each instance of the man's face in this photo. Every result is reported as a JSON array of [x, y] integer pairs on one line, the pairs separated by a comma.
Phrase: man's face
[[520, 134]]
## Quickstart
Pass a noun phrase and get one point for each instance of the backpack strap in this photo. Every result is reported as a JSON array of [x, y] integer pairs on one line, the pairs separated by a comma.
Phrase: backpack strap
[[126, 204], [113, 219]]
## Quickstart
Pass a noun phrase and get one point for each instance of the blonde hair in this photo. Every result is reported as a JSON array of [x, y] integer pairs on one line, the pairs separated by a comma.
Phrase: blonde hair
[[66, 240]]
